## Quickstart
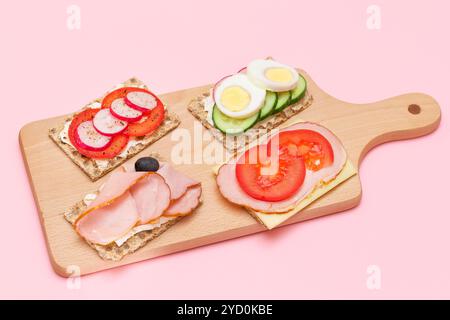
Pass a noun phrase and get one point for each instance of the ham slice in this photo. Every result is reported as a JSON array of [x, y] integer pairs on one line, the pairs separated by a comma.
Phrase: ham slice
[[108, 223], [231, 190], [185, 192], [152, 197], [178, 182], [113, 213], [186, 203], [117, 184], [132, 198]]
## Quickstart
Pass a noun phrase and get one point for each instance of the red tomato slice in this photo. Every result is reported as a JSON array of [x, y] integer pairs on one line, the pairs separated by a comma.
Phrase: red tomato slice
[[150, 122], [116, 146], [120, 93], [313, 147], [118, 143], [270, 178]]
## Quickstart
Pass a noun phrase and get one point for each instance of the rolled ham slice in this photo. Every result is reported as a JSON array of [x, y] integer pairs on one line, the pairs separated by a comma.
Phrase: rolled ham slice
[[186, 203], [108, 223], [231, 190], [113, 213], [118, 183], [178, 182], [152, 197], [130, 198]]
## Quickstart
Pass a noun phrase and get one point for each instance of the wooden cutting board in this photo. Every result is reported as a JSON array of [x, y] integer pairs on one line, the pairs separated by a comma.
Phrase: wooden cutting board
[[57, 183]]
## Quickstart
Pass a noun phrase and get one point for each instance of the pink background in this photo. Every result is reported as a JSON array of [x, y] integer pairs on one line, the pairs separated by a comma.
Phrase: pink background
[[402, 223]]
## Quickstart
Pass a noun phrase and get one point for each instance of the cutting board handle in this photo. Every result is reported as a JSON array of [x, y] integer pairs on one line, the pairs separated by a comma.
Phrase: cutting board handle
[[402, 117]]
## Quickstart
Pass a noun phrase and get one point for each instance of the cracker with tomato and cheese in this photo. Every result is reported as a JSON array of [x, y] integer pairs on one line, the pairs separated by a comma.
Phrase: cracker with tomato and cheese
[[241, 107], [276, 180], [133, 208], [110, 130]]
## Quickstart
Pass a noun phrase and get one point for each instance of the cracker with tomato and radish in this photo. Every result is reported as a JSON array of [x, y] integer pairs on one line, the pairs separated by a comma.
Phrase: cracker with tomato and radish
[[112, 129], [277, 179], [259, 97]]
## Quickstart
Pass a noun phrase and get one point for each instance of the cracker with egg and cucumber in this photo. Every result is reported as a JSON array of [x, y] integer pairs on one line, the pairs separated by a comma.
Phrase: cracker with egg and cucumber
[[110, 130], [276, 180], [261, 96], [134, 206]]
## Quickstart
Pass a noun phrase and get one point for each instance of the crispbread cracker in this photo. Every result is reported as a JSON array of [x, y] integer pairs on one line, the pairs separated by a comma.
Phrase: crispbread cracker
[[89, 166], [113, 251], [234, 144]]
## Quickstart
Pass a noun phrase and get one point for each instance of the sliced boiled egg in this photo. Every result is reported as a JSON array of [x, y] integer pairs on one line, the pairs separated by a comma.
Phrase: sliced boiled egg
[[237, 97], [272, 75]]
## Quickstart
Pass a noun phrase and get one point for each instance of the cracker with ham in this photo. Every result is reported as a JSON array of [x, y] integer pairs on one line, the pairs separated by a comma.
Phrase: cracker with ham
[[325, 166], [132, 208]]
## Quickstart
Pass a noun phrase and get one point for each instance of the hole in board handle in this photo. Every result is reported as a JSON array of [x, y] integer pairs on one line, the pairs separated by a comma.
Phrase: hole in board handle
[[414, 109]]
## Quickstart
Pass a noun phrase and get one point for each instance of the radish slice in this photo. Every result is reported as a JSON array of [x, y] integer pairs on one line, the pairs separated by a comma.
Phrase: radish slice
[[122, 111], [108, 125], [88, 138], [243, 70], [142, 101]]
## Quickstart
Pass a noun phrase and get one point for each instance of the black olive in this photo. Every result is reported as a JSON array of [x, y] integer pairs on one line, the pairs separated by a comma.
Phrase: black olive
[[146, 164]]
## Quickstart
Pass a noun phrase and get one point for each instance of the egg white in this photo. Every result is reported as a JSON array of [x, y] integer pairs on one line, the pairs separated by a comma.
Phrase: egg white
[[256, 72], [257, 96]]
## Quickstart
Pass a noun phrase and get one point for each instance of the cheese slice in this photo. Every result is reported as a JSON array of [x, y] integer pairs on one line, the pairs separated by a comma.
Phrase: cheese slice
[[271, 220]]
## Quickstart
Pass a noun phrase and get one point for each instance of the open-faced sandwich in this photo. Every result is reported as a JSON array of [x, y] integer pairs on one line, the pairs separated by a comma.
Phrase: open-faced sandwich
[[133, 207], [112, 129], [277, 179], [260, 96]]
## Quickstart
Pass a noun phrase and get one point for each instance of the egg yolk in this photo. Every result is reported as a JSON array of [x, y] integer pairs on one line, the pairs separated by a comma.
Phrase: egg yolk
[[235, 98], [278, 74]]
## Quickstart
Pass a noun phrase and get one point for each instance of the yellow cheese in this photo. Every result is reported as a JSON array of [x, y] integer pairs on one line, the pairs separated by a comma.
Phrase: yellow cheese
[[272, 220]]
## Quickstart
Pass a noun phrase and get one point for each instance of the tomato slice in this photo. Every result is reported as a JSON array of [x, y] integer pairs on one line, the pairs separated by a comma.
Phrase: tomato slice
[[116, 146], [120, 93], [270, 178], [149, 122], [313, 147], [151, 119], [118, 143]]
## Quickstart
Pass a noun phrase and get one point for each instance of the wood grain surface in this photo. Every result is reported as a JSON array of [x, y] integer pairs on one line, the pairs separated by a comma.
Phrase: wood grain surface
[[57, 183]]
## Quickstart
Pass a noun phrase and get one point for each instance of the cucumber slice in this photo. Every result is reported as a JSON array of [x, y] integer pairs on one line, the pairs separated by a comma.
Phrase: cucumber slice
[[232, 126], [283, 100], [269, 105], [298, 92]]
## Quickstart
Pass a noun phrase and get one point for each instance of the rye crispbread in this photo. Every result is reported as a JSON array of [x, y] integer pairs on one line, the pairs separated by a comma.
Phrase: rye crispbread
[[234, 143], [90, 166]]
